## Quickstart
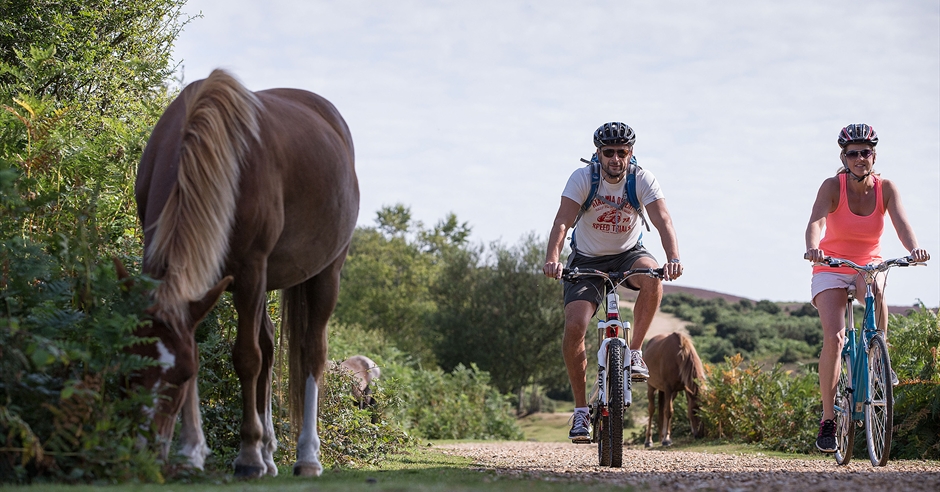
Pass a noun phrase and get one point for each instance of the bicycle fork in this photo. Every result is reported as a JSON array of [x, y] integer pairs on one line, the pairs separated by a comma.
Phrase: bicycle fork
[[608, 333]]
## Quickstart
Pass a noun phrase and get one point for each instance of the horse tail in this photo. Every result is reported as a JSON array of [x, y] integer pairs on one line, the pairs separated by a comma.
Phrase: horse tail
[[690, 365], [306, 346], [192, 233]]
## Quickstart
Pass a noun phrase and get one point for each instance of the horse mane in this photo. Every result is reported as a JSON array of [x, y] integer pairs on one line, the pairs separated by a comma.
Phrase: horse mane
[[192, 232], [690, 365]]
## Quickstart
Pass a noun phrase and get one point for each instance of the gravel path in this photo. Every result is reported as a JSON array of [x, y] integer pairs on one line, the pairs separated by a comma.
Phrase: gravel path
[[656, 469]]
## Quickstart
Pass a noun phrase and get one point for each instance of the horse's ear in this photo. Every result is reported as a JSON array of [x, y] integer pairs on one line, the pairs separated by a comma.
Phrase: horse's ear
[[199, 309], [127, 283]]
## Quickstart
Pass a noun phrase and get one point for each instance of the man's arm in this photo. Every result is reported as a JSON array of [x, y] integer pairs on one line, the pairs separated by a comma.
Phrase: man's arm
[[659, 216], [564, 219]]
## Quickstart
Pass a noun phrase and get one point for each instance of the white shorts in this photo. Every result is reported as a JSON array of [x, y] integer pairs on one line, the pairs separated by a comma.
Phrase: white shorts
[[831, 280]]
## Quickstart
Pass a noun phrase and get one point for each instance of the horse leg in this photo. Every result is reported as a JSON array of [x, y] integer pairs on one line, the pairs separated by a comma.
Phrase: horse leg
[[192, 440], [651, 406], [662, 412], [249, 299], [667, 418], [268, 439], [308, 347]]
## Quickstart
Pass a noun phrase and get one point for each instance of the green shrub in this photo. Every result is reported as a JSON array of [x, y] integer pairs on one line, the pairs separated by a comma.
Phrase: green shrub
[[459, 405], [915, 356], [773, 408]]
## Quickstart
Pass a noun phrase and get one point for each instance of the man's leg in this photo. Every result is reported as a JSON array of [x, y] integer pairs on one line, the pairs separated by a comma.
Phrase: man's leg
[[647, 301], [577, 315]]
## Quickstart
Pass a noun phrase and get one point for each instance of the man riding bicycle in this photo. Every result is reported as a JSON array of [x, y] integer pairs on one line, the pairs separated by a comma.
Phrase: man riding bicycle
[[608, 239]]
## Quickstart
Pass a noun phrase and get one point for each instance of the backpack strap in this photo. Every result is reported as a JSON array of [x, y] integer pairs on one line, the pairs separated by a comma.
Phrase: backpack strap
[[630, 191]]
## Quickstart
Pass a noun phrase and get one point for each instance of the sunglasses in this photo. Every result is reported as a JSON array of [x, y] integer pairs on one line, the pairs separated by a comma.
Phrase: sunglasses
[[610, 152], [859, 154]]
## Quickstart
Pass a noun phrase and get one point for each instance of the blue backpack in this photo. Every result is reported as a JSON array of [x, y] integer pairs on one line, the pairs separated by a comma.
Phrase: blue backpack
[[629, 193]]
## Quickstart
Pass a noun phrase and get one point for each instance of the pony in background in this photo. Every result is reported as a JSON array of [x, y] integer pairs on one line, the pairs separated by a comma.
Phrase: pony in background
[[247, 192], [674, 367]]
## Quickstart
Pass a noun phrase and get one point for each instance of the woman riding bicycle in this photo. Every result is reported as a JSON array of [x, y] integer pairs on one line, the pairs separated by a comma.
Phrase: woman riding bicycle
[[850, 207]]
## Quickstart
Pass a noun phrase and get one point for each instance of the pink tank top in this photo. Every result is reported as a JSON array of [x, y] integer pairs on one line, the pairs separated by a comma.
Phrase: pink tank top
[[850, 236]]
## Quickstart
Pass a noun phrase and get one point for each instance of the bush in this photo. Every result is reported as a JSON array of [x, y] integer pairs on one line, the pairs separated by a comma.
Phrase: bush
[[915, 356], [773, 408]]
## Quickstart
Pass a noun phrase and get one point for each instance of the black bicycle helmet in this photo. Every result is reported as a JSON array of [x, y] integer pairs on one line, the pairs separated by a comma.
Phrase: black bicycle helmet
[[857, 133], [614, 133]]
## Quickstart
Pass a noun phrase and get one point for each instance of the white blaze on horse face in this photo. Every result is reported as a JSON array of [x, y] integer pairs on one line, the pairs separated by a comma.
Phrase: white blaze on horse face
[[167, 359], [308, 443]]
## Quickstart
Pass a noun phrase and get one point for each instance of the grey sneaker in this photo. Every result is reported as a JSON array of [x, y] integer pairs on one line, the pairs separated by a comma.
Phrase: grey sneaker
[[826, 439], [580, 427], [638, 369], [894, 378]]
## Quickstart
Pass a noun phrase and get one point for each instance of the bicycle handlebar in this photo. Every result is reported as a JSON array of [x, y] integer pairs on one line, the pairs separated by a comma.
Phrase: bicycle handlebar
[[883, 266], [570, 275]]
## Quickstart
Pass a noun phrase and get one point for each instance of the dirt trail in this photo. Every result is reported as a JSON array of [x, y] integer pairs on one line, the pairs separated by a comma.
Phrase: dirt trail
[[662, 322], [657, 469]]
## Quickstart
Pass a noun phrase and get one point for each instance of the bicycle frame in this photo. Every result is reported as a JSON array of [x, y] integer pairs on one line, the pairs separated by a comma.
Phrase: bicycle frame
[[854, 348]]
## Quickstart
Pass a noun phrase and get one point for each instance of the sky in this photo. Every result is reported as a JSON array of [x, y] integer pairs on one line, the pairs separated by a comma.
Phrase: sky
[[484, 108]]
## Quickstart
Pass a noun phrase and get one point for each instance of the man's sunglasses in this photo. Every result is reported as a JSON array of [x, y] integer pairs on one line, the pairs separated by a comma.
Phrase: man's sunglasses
[[859, 154], [610, 152]]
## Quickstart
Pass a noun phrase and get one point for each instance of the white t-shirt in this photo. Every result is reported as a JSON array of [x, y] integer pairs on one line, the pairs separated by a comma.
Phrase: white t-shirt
[[604, 230]]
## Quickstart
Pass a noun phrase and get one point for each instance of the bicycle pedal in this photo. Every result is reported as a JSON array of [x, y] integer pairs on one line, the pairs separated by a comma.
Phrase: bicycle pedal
[[581, 441]]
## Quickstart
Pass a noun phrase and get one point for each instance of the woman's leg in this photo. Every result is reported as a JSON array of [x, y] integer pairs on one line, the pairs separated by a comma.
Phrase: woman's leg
[[831, 306]]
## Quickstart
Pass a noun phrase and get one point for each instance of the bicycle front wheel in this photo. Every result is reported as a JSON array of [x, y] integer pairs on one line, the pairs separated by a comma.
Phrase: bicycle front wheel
[[614, 434], [845, 429], [879, 413]]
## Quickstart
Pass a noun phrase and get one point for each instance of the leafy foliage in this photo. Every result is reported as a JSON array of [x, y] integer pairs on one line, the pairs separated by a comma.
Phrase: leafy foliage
[[506, 316], [915, 356], [755, 330], [773, 408]]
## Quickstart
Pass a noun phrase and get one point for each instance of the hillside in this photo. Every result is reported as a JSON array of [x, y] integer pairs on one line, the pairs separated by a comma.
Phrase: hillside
[[629, 295]]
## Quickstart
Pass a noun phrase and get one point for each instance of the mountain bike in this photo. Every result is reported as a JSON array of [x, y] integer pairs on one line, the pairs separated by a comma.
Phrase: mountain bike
[[613, 389], [864, 393]]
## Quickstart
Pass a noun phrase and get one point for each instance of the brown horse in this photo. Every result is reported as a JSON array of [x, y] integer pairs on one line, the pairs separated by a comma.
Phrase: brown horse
[[257, 189], [674, 366]]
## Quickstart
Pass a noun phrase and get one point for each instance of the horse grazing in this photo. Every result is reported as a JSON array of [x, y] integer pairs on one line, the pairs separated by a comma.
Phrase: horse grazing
[[674, 366], [248, 192], [364, 370]]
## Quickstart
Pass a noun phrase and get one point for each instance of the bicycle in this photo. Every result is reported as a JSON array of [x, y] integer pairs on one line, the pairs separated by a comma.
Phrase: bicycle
[[613, 389], [864, 393]]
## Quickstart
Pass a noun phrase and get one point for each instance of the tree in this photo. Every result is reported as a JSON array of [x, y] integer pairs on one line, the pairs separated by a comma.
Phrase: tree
[[505, 315], [388, 272]]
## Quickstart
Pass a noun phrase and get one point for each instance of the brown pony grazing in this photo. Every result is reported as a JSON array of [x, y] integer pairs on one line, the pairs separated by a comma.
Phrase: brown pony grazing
[[364, 370], [249, 192], [674, 366]]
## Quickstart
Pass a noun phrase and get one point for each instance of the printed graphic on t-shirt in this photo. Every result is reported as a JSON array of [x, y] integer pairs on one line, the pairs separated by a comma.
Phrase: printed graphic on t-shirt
[[613, 221]]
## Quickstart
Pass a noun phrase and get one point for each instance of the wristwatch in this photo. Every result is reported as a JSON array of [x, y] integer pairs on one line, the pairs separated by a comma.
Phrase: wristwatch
[[674, 260]]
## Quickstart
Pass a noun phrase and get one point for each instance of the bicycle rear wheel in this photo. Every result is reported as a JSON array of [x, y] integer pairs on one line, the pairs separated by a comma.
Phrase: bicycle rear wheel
[[879, 413], [845, 428], [614, 435]]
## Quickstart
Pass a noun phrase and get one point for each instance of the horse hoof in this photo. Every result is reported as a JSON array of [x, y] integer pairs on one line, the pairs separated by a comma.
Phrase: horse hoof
[[667, 442], [648, 444], [307, 469], [245, 471]]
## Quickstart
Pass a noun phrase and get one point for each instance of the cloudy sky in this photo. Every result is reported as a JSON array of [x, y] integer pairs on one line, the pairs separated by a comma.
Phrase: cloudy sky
[[483, 109]]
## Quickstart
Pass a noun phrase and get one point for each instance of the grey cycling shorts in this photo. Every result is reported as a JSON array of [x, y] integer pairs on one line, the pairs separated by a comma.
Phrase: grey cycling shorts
[[592, 288]]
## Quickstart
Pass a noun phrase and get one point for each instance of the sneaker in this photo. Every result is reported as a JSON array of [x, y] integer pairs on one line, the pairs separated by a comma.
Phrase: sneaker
[[826, 440], [894, 378], [580, 427], [638, 369]]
